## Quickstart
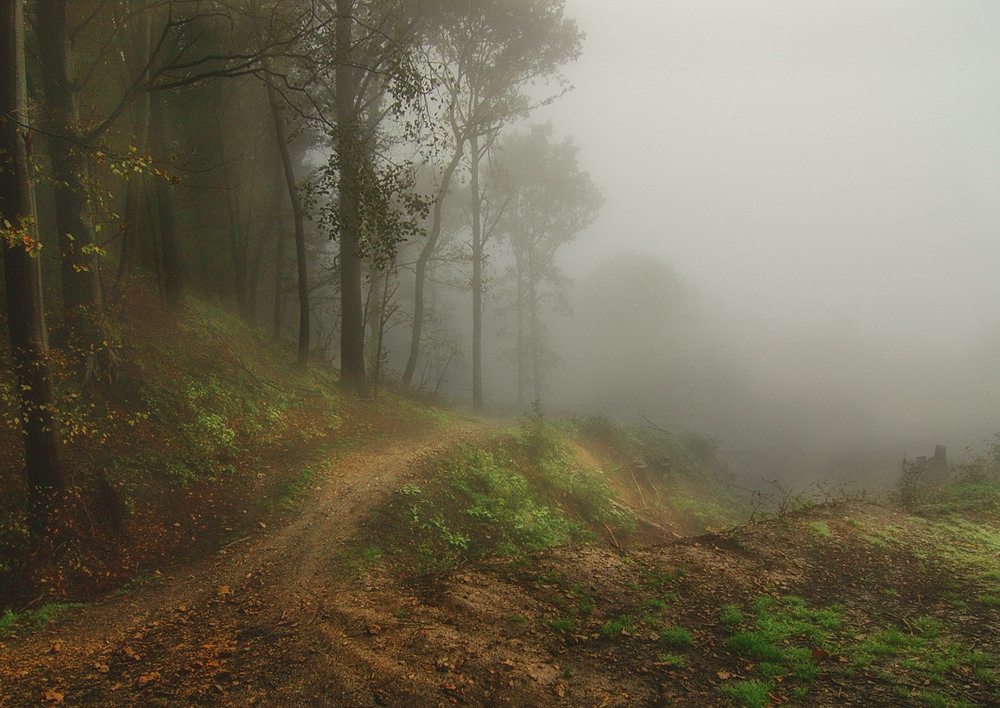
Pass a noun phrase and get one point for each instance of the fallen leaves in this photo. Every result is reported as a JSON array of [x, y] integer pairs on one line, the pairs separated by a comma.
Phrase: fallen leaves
[[147, 679], [53, 696]]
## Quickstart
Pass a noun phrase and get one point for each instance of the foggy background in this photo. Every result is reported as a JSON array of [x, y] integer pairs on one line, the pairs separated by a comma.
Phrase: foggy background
[[824, 177]]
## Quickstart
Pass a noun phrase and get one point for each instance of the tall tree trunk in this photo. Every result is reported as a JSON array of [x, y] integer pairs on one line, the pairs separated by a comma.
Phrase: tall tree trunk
[[278, 305], [352, 328], [80, 284], [519, 351], [137, 227], [477, 279], [298, 212], [172, 263], [534, 326], [22, 269], [237, 233], [420, 270], [380, 336]]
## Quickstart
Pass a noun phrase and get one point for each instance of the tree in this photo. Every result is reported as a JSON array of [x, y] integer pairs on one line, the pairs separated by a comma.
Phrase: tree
[[168, 46], [22, 271], [548, 201], [423, 261], [348, 147], [486, 55], [80, 285], [298, 215], [373, 81]]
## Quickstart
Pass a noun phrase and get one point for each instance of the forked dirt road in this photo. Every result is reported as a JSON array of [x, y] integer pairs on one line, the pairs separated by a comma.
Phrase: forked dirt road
[[262, 622], [282, 619]]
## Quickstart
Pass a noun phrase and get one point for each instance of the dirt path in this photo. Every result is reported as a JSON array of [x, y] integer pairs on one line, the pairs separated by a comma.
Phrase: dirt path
[[262, 619], [282, 619]]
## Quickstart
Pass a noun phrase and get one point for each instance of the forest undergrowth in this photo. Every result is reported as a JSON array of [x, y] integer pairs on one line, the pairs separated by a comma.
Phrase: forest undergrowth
[[206, 432]]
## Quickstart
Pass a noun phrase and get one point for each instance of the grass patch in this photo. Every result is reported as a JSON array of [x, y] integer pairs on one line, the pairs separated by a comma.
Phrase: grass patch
[[14, 622], [539, 443], [698, 481], [675, 661], [819, 529], [654, 604], [563, 625], [922, 649], [751, 693], [783, 636], [677, 637], [990, 600], [625, 624], [660, 580], [731, 616]]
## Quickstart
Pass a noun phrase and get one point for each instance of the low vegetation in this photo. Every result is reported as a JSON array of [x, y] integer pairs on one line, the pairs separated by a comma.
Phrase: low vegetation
[[207, 431], [520, 491]]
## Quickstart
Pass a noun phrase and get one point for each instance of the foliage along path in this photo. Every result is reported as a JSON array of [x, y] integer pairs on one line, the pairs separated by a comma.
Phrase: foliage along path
[[234, 627]]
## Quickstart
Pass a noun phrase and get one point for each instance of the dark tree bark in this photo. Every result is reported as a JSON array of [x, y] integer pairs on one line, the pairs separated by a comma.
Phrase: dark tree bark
[[298, 213], [80, 284], [278, 304], [22, 271], [136, 233], [352, 325], [172, 264]]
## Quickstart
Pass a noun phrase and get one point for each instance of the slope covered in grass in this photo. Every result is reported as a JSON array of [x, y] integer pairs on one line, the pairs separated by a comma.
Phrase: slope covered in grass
[[544, 483]]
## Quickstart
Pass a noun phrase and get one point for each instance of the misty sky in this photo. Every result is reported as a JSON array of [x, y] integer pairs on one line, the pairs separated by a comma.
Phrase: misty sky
[[828, 164]]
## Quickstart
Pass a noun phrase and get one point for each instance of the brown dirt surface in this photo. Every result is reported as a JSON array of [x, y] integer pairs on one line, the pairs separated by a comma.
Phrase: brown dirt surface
[[284, 618]]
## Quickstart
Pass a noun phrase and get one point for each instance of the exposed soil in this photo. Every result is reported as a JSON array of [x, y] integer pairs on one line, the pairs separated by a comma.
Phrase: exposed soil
[[283, 619]]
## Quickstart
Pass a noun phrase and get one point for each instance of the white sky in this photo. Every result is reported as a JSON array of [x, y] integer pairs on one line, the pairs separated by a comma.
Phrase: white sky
[[805, 161]]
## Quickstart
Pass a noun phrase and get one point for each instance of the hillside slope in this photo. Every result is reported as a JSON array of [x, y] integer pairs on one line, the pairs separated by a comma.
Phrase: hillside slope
[[382, 553], [854, 604]]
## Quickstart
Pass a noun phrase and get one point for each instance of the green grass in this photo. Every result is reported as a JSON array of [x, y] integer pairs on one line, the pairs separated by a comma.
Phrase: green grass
[[781, 636], [540, 444], [563, 625], [479, 502], [677, 637], [819, 529], [677, 661], [923, 649], [620, 625], [731, 615], [15, 622], [655, 604], [751, 693], [990, 600], [660, 580], [691, 461]]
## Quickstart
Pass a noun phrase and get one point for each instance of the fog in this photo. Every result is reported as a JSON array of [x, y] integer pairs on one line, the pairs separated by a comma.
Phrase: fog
[[823, 179]]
